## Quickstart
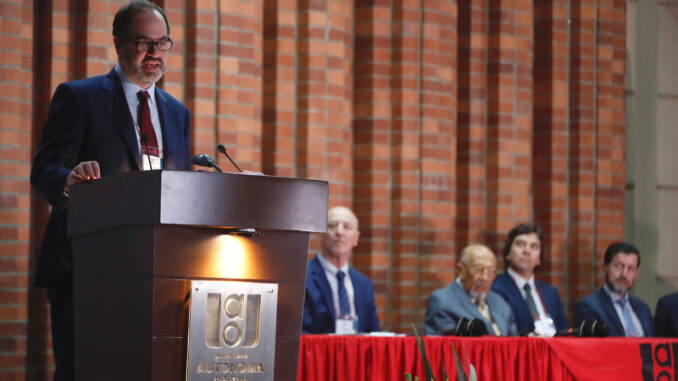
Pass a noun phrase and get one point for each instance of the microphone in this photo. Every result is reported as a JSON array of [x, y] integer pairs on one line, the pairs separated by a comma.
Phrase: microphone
[[144, 141], [204, 160], [222, 149], [596, 328], [467, 328]]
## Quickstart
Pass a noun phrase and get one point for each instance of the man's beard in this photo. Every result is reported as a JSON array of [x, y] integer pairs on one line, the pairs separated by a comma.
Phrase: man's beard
[[618, 289], [137, 73], [477, 298]]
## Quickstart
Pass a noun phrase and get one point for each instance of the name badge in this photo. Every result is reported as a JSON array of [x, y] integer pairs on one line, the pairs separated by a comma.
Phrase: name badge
[[155, 162], [346, 325], [545, 327]]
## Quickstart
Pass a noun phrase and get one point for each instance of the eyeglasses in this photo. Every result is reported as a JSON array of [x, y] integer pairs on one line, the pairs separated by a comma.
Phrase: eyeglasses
[[145, 46], [335, 225], [478, 270]]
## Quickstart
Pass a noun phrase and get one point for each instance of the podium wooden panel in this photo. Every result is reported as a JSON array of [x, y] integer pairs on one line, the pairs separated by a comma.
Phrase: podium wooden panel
[[139, 238]]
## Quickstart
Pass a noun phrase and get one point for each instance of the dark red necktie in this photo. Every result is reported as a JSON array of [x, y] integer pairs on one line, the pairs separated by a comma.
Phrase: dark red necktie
[[146, 125]]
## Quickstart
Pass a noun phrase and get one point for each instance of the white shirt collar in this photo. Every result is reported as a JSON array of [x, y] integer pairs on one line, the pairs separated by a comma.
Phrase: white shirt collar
[[327, 266], [613, 295], [131, 88], [520, 281]]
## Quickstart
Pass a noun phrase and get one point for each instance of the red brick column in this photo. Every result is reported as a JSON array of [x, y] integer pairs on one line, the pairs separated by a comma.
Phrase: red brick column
[[509, 127], [582, 140], [174, 79], [279, 88], [200, 77], [550, 137], [239, 45], [324, 136], [610, 116], [438, 129], [372, 126], [16, 128], [405, 192], [471, 121]]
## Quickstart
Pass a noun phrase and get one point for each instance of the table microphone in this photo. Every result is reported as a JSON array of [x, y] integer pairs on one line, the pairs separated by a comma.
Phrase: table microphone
[[204, 160], [596, 328], [222, 149], [466, 327]]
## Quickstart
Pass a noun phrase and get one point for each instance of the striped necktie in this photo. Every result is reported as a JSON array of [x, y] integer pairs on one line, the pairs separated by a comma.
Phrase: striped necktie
[[631, 329], [344, 305]]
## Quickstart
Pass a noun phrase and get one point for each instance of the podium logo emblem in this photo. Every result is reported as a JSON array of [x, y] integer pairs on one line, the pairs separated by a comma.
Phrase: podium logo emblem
[[237, 319], [231, 331]]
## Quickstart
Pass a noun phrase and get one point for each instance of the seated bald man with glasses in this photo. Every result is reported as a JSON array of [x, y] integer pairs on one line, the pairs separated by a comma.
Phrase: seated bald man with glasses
[[469, 297], [339, 299]]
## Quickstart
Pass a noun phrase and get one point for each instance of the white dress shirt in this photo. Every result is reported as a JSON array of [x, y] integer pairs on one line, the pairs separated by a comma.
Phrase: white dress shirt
[[520, 282], [620, 314], [331, 275]]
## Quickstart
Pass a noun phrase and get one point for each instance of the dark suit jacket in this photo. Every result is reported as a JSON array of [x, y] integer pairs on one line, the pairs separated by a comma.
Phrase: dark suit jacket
[[666, 316], [89, 119], [319, 314], [505, 286], [448, 305], [598, 306]]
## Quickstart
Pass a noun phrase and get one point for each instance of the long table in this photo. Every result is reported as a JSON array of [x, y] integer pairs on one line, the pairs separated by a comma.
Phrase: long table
[[349, 358]]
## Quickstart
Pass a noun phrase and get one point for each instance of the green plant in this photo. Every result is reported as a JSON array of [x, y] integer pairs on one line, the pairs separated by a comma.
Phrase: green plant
[[461, 375]]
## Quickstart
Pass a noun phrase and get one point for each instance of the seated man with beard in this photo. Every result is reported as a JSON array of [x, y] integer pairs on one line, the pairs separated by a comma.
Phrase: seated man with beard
[[624, 314], [469, 296]]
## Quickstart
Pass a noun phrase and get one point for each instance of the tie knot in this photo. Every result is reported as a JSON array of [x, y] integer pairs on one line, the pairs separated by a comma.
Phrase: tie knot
[[340, 276], [621, 302], [527, 287], [143, 96]]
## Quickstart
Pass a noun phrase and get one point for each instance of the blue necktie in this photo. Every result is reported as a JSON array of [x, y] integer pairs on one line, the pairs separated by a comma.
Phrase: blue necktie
[[628, 321], [344, 306]]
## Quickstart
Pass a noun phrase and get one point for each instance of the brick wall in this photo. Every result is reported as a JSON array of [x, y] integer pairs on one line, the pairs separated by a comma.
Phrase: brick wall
[[440, 122]]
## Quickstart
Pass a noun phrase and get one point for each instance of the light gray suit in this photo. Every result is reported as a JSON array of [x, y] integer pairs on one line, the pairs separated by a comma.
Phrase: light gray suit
[[449, 304]]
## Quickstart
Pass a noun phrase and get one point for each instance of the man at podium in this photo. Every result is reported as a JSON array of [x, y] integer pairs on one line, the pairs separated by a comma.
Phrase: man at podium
[[103, 125], [338, 299]]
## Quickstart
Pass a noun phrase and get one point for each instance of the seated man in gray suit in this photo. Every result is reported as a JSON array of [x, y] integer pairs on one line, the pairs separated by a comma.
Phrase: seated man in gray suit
[[469, 296]]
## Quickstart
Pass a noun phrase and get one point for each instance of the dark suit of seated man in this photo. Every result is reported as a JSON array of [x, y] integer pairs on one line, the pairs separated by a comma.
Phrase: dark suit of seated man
[[666, 316], [337, 295], [469, 296], [624, 314], [530, 299], [94, 128]]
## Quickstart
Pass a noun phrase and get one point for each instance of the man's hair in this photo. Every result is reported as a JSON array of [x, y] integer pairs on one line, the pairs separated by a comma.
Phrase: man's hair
[[471, 249], [123, 18], [620, 247], [520, 230]]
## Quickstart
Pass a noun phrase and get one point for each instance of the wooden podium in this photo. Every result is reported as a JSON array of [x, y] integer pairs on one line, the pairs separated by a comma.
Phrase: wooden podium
[[139, 238]]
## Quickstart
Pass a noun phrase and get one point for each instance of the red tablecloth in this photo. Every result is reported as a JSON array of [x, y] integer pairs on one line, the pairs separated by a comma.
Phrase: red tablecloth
[[349, 358]]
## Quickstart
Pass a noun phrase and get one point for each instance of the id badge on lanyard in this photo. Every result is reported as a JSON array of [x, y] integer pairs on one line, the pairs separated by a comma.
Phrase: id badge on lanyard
[[150, 162], [346, 325]]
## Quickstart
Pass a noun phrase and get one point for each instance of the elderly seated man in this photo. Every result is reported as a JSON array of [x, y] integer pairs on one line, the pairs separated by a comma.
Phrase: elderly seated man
[[469, 296]]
